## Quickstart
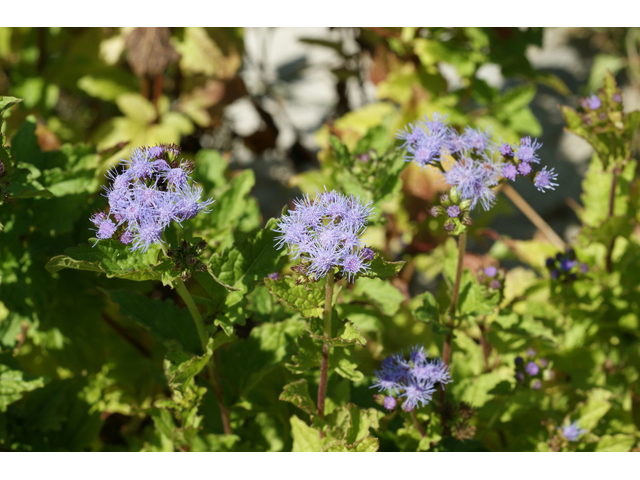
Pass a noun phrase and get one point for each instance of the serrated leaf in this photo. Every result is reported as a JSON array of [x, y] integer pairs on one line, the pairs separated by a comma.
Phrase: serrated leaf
[[180, 367], [14, 382], [297, 393], [341, 360], [111, 258], [307, 299], [343, 332], [381, 268], [360, 422], [166, 322], [305, 438], [243, 266], [472, 300]]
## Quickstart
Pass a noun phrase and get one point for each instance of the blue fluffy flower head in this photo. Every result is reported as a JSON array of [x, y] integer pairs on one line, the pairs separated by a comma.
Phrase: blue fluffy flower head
[[325, 232], [148, 191], [414, 379], [479, 164]]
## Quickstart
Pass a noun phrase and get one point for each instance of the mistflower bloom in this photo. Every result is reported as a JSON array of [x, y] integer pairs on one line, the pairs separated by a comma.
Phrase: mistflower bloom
[[478, 164], [572, 432], [453, 211], [524, 168], [389, 403], [325, 232], [536, 385], [417, 393], [509, 171], [592, 102], [473, 182], [414, 380], [532, 369], [505, 150], [527, 151], [476, 140], [490, 271], [145, 196], [545, 179]]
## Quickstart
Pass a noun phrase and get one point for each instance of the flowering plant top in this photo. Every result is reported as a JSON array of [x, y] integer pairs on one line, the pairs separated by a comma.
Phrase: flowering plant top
[[148, 192]]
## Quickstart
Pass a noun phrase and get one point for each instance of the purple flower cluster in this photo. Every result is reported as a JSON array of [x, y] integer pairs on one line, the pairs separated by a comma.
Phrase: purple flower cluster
[[565, 267], [572, 432], [531, 368], [147, 193], [478, 167], [491, 277], [413, 380], [325, 233]]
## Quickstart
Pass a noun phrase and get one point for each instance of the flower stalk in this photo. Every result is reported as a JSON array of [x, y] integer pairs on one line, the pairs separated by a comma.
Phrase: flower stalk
[[324, 366], [204, 340]]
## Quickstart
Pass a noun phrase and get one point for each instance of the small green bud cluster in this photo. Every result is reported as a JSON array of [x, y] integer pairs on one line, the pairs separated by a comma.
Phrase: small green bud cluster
[[186, 257], [456, 210]]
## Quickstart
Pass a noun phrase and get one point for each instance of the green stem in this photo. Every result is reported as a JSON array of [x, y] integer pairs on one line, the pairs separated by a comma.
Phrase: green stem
[[324, 366], [195, 313], [462, 246], [416, 424], [446, 349], [204, 340]]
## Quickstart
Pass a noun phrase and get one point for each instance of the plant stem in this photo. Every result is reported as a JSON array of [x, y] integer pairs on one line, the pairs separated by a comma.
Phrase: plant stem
[[446, 349], [324, 366], [195, 313], [531, 214], [462, 246], [612, 199], [204, 340], [416, 423]]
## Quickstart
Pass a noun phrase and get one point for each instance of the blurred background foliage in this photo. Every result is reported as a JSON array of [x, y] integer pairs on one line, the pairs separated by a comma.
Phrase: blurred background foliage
[[263, 128]]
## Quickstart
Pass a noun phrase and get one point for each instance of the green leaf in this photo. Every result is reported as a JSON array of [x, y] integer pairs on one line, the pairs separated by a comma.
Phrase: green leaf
[[230, 206], [307, 299], [380, 268], [615, 443], [341, 360], [14, 382], [473, 301], [243, 266], [137, 108], [428, 311], [111, 258], [383, 294], [248, 360], [307, 356], [180, 367], [166, 322], [345, 158], [8, 102], [360, 422], [297, 393], [343, 332], [305, 438], [596, 407], [366, 444]]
